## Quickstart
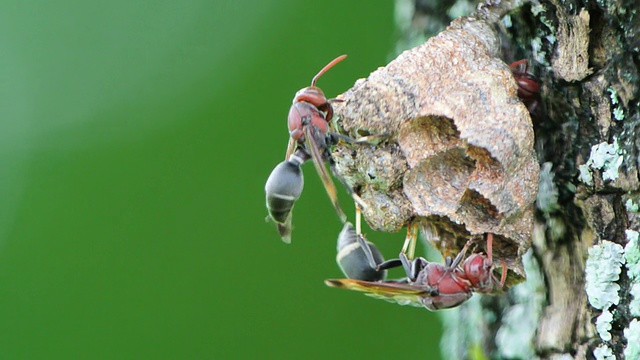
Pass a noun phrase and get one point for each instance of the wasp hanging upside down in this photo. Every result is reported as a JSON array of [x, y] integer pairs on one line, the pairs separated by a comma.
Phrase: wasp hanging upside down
[[432, 285]]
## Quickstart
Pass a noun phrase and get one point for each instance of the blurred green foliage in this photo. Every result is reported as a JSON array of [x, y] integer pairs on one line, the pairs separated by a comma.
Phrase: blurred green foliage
[[135, 140]]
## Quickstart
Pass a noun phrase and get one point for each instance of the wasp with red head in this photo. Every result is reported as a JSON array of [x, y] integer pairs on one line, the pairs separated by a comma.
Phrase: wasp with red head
[[528, 85], [310, 138], [310, 107], [427, 284]]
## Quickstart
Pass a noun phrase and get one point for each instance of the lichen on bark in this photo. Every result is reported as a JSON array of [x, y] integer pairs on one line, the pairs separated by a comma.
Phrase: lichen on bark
[[586, 56]]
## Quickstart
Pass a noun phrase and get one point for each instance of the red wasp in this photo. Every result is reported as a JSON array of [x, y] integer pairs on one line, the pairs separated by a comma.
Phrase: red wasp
[[432, 285], [308, 122], [528, 85], [310, 138]]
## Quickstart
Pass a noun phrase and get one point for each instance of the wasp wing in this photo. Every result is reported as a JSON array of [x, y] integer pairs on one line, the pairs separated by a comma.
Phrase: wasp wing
[[291, 147], [284, 230], [399, 293], [318, 161]]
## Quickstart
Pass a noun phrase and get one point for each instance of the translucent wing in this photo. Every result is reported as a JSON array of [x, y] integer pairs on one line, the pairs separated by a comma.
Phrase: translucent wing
[[399, 293], [291, 147], [285, 229], [318, 161]]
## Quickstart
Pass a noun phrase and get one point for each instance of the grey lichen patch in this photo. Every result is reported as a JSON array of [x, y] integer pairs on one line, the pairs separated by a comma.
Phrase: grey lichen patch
[[632, 334], [461, 8], [460, 326], [585, 174], [603, 325], [545, 36], [506, 21], [602, 271], [604, 157], [539, 55], [451, 107], [571, 57], [632, 257], [618, 111], [516, 336], [613, 95], [632, 254], [547, 203], [631, 206], [603, 352], [547, 199]]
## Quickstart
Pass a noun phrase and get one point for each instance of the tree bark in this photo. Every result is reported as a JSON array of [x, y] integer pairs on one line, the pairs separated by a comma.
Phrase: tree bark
[[577, 245]]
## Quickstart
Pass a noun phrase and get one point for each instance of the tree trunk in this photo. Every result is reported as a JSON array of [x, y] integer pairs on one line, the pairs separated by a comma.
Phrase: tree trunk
[[581, 297]]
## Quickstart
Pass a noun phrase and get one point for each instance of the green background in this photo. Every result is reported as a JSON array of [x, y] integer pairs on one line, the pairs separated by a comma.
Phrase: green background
[[135, 141]]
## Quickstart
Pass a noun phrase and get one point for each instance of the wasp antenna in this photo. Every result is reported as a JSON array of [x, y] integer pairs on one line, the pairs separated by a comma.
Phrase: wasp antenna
[[520, 62], [327, 67]]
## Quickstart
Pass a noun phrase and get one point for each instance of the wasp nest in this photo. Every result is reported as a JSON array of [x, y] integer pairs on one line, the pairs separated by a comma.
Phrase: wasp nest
[[458, 153]]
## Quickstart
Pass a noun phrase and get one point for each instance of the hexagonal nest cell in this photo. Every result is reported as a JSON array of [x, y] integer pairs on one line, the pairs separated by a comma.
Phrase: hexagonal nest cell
[[458, 149]]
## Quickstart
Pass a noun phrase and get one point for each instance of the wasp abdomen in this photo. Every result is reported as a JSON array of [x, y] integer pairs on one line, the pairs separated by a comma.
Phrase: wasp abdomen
[[353, 260], [282, 189]]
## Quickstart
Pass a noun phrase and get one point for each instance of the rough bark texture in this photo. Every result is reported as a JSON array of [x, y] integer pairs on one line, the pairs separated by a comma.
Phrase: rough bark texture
[[458, 158]]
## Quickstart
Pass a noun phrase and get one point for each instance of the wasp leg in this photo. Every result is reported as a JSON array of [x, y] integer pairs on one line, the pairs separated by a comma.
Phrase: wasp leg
[[363, 243], [411, 267], [357, 199], [503, 277], [461, 255], [390, 264], [358, 220], [490, 248], [410, 241], [369, 139]]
